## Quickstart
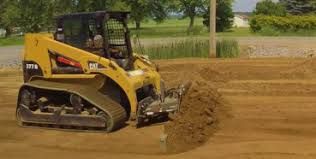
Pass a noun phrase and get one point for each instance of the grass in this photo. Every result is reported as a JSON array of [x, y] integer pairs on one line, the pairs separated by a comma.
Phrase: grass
[[193, 47], [169, 28], [174, 22], [14, 40], [237, 32], [178, 28], [227, 49], [179, 49], [269, 31]]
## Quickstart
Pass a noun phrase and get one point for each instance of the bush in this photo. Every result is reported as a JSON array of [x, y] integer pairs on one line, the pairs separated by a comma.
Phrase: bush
[[189, 48], [179, 49], [196, 30], [227, 49], [269, 7], [283, 24], [269, 31]]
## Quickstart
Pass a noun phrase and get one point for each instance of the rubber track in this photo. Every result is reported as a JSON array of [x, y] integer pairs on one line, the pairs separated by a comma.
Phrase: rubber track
[[114, 110]]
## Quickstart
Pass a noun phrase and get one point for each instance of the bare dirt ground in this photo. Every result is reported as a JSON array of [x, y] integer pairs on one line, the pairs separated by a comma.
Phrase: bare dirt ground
[[270, 104]]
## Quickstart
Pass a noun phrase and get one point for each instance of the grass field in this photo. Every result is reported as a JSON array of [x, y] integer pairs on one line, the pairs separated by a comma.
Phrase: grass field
[[275, 33], [178, 28], [14, 40], [168, 28]]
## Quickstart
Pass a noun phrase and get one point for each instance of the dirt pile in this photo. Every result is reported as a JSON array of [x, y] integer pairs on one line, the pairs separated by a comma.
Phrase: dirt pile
[[196, 121]]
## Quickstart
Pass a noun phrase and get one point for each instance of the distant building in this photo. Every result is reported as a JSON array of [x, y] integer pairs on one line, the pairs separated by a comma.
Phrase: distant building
[[241, 19]]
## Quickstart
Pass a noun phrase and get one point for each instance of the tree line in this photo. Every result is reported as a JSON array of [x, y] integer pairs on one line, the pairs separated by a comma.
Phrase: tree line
[[285, 7], [284, 16], [38, 15]]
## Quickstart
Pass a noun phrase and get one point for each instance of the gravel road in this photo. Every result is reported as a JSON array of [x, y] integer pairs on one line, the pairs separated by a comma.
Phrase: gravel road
[[258, 47], [10, 56], [251, 47]]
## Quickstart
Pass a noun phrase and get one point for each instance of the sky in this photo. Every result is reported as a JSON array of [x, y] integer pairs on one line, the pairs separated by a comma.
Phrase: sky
[[245, 5]]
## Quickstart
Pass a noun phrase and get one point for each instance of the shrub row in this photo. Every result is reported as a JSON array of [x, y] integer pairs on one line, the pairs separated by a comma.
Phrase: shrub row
[[283, 24]]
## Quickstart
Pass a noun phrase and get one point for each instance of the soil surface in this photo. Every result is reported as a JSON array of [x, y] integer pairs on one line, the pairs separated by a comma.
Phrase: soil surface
[[270, 110]]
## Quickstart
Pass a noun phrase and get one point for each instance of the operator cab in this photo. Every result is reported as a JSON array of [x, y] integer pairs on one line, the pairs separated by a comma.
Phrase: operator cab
[[102, 33]]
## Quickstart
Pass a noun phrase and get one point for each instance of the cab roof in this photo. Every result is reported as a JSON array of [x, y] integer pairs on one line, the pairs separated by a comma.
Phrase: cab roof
[[113, 14]]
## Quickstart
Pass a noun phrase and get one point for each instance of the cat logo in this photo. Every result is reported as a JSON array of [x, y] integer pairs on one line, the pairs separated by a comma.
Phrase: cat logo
[[96, 66], [93, 66]]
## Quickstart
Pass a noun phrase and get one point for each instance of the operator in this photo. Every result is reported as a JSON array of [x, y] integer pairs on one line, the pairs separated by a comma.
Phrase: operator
[[98, 41], [60, 36]]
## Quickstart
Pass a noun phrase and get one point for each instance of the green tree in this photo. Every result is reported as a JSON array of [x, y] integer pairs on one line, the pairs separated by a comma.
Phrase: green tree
[[224, 15], [140, 9], [190, 8], [8, 15], [50, 14], [64, 7], [268, 7], [300, 7], [33, 15], [71, 6], [38, 15], [119, 5], [99, 5], [83, 5]]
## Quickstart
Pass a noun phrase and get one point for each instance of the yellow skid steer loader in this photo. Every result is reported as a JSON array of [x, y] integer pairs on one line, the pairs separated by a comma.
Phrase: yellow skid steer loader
[[85, 76]]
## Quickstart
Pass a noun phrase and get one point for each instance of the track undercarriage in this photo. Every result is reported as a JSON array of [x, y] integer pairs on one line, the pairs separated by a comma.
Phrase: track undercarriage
[[68, 105], [80, 105]]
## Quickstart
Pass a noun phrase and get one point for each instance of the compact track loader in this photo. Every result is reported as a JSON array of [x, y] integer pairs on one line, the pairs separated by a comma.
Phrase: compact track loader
[[85, 76]]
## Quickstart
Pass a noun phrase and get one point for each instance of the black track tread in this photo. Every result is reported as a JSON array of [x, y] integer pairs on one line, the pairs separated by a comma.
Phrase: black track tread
[[114, 110]]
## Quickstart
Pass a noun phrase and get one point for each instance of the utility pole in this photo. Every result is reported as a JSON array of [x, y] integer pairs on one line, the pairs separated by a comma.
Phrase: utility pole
[[212, 53]]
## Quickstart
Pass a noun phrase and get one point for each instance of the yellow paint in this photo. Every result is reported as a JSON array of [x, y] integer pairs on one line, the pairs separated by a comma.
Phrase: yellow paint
[[76, 76], [37, 46]]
